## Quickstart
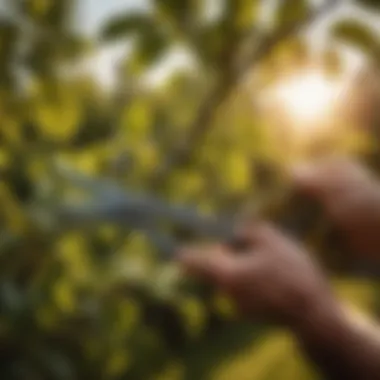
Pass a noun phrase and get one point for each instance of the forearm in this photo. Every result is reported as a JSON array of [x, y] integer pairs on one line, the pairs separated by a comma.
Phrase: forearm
[[340, 347]]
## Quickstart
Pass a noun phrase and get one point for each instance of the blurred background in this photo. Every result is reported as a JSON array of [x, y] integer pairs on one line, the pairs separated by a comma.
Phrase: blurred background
[[198, 102]]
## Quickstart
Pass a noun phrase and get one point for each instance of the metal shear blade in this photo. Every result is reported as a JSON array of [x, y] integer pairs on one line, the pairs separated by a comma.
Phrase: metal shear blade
[[114, 205]]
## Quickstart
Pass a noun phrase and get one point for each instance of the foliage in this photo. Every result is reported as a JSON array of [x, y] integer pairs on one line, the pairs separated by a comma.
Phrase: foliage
[[373, 4], [360, 36], [98, 303]]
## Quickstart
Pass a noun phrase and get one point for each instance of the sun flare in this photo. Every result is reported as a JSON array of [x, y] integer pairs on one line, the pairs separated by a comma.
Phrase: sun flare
[[308, 97], [303, 111]]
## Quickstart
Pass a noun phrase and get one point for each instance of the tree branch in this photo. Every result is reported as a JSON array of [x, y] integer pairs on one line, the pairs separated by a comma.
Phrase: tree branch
[[201, 125]]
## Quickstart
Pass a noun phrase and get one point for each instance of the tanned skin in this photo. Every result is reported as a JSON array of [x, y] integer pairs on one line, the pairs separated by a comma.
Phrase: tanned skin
[[277, 278]]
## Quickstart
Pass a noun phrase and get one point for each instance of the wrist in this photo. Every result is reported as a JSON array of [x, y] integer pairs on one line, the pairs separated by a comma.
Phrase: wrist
[[322, 321], [342, 344]]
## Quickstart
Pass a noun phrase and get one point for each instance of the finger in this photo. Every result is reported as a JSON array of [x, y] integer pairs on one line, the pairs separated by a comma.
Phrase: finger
[[237, 242], [213, 264], [322, 179], [254, 233], [330, 180], [309, 179]]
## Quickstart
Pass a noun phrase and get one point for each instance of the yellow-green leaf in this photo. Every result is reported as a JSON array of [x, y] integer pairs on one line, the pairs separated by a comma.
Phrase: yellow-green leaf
[[235, 172], [290, 12], [57, 120], [359, 35]]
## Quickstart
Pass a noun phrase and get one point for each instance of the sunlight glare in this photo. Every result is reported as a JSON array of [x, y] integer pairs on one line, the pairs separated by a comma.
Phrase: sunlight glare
[[308, 97], [303, 110]]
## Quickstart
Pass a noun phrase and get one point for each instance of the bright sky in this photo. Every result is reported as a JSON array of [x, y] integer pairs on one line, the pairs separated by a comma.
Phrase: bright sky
[[94, 12]]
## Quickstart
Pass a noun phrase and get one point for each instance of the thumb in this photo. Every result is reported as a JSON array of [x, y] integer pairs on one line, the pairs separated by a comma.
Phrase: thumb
[[309, 180], [211, 264]]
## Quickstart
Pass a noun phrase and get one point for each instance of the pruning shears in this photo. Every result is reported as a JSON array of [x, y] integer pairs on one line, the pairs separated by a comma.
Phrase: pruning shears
[[111, 204]]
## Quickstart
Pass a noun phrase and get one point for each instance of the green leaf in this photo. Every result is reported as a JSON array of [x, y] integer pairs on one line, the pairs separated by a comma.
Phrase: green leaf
[[242, 13], [182, 13], [375, 4], [223, 345], [151, 46], [358, 35], [152, 39], [290, 55], [57, 114], [211, 43], [290, 12], [73, 47], [235, 176], [125, 25], [8, 48], [55, 14]]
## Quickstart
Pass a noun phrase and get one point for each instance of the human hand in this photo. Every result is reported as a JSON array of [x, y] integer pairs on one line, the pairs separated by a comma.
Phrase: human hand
[[350, 196], [273, 278]]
